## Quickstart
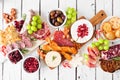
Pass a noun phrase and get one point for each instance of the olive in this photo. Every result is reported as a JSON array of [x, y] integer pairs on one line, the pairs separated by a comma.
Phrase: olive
[[56, 15], [63, 17], [52, 13], [58, 12], [53, 21], [57, 23], [59, 19], [52, 17]]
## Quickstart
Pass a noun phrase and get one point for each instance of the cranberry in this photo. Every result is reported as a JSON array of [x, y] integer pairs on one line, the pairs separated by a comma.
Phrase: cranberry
[[15, 56], [82, 31], [19, 25], [31, 65]]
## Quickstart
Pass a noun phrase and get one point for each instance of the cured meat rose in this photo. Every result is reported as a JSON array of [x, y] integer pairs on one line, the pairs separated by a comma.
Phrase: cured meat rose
[[61, 41], [27, 41], [21, 44], [42, 33], [113, 51], [15, 45]]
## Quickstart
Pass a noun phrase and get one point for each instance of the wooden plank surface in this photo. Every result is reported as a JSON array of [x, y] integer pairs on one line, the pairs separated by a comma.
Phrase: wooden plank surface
[[45, 72], [116, 11], [26, 6], [107, 7], [63, 72], [116, 8], [8, 5], [84, 8], [10, 71], [0, 71], [1, 57], [1, 9]]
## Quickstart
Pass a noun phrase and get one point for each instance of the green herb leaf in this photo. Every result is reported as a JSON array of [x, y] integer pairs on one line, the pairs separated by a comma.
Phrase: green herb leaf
[[24, 51], [33, 39], [23, 16], [116, 58], [54, 57]]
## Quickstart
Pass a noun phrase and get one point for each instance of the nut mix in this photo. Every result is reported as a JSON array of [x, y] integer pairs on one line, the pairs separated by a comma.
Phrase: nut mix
[[10, 17]]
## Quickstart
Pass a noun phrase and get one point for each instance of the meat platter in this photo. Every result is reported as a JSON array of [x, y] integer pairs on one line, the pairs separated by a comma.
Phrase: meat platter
[[62, 38]]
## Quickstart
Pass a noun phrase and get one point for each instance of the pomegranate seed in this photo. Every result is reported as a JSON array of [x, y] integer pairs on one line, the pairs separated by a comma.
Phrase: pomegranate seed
[[82, 31]]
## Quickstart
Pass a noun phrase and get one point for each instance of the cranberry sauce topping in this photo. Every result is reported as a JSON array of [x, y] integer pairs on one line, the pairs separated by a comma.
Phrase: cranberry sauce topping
[[82, 31], [31, 64]]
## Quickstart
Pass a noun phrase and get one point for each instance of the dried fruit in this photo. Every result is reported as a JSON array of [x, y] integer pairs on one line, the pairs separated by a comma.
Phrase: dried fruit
[[31, 65], [15, 56]]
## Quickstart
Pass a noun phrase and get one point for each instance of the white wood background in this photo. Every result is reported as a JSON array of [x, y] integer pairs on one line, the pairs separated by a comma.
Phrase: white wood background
[[87, 8]]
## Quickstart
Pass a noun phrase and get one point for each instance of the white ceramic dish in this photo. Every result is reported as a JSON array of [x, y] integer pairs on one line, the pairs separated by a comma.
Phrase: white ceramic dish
[[74, 28], [62, 23], [32, 57], [13, 51], [102, 35], [49, 59]]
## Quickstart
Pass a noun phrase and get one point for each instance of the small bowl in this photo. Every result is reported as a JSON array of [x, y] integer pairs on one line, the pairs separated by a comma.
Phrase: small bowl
[[32, 70], [102, 34], [62, 24], [14, 60]]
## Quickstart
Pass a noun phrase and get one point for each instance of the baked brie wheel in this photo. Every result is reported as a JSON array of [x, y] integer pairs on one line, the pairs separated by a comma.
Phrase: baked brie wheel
[[53, 59]]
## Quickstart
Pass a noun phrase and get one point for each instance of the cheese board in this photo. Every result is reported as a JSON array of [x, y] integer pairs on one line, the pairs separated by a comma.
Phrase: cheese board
[[75, 42], [63, 39]]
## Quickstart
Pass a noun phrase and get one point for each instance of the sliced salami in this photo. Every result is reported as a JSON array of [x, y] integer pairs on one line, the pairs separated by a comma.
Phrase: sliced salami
[[61, 41]]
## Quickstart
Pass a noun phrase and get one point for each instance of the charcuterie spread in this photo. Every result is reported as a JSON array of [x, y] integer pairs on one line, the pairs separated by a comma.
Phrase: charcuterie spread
[[69, 35]]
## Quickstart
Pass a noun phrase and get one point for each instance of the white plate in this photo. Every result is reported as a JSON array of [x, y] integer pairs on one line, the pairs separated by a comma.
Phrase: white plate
[[102, 35], [74, 28]]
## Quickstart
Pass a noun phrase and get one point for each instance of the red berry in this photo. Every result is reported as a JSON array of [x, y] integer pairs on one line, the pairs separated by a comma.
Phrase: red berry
[[82, 31]]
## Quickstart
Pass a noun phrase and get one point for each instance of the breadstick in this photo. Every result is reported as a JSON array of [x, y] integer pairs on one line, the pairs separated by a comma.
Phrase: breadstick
[[69, 50], [42, 55], [66, 55]]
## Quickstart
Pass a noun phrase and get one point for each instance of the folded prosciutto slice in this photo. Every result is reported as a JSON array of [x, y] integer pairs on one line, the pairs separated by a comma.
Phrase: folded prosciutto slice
[[41, 34]]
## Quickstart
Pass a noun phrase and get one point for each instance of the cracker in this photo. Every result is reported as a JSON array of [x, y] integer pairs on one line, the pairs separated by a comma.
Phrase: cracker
[[110, 35], [117, 33], [115, 21], [106, 27]]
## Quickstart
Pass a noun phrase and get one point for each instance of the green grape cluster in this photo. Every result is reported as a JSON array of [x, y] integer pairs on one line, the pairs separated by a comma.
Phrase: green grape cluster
[[71, 16], [35, 24], [101, 44]]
